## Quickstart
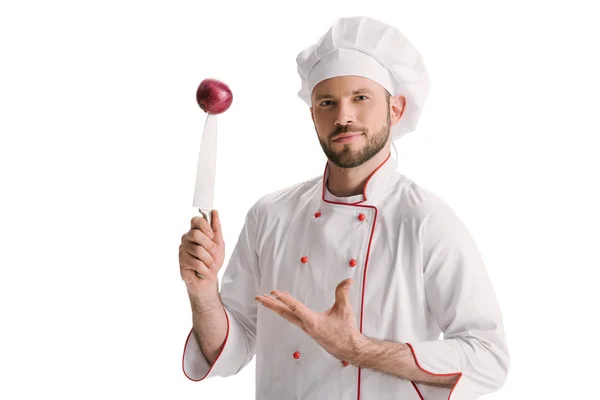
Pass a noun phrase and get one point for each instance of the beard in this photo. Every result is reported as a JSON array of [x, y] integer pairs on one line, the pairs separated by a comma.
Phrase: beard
[[348, 158]]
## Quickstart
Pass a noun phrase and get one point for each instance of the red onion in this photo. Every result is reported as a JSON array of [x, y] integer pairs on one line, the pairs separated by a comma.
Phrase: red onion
[[213, 96]]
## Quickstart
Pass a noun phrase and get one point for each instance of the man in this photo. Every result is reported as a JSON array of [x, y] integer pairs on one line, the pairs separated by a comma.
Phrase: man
[[341, 285]]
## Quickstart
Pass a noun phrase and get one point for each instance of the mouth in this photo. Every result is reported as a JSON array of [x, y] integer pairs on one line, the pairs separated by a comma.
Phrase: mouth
[[347, 137]]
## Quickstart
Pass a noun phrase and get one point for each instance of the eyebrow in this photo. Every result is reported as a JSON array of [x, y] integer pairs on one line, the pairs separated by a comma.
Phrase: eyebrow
[[354, 92]]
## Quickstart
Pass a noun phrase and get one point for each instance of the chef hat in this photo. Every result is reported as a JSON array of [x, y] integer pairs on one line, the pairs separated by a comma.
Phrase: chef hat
[[367, 47]]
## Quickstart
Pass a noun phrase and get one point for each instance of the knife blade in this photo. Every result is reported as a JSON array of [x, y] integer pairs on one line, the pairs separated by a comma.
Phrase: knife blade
[[204, 189]]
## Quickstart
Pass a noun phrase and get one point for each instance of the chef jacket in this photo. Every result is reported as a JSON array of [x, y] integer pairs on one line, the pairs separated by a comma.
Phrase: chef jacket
[[417, 273]]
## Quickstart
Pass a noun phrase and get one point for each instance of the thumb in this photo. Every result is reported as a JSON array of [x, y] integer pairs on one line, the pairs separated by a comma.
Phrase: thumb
[[216, 227], [342, 291]]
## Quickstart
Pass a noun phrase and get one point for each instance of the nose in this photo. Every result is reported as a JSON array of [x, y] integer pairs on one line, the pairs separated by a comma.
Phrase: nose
[[345, 114]]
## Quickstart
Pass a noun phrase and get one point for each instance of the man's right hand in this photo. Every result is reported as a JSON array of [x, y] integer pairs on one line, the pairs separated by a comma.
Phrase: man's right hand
[[202, 250]]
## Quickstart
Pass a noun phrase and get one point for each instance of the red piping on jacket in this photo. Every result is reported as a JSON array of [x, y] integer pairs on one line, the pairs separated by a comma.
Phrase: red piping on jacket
[[431, 373], [213, 364], [418, 391], [357, 204], [364, 187]]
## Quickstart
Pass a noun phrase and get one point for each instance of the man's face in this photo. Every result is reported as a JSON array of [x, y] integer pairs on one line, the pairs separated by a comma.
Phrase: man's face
[[351, 115]]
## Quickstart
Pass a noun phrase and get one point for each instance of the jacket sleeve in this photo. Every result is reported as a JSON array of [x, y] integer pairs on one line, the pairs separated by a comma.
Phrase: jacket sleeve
[[239, 286], [461, 298]]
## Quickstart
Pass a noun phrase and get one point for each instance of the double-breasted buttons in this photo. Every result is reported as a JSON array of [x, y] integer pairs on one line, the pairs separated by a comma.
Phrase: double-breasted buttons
[[352, 263]]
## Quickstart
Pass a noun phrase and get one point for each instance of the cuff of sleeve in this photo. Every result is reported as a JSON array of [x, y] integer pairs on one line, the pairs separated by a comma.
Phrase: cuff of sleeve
[[194, 363], [439, 357]]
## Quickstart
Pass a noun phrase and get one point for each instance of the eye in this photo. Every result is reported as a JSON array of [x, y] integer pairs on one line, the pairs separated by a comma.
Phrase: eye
[[365, 97], [326, 101]]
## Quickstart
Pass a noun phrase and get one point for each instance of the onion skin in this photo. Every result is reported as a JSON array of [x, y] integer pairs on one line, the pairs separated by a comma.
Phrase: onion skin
[[214, 96]]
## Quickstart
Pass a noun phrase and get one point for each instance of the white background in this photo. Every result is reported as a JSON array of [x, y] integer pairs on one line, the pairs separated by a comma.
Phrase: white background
[[99, 143]]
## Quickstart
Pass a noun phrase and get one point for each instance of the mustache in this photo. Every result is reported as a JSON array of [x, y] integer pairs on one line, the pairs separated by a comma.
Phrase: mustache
[[345, 129]]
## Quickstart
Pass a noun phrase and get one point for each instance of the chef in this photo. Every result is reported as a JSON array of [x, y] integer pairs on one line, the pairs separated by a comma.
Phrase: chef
[[342, 284]]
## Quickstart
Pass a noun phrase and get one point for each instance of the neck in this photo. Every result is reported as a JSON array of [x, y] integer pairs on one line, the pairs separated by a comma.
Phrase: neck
[[344, 182]]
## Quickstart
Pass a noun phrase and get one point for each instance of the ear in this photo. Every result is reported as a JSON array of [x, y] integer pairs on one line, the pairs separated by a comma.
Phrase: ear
[[397, 107], [312, 115]]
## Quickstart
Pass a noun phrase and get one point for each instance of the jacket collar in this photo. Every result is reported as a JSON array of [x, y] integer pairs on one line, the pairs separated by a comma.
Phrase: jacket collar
[[376, 186]]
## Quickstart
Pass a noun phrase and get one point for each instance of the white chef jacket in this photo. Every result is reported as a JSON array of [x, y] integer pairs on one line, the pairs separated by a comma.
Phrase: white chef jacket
[[417, 273]]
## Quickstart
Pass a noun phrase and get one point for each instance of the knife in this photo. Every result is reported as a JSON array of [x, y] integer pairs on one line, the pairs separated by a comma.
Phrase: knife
[[204, 190]]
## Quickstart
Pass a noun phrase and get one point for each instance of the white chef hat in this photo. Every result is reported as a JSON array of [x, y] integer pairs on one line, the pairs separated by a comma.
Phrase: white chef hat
[[367, 47]]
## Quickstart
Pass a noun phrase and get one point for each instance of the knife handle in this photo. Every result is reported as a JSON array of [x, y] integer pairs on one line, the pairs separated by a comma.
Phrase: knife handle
[[206, 214]]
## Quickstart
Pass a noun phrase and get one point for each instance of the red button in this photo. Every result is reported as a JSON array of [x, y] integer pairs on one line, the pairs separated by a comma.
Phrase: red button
[[297, 355], [317, 214], [304, 260], [362, 217], [353, 263], [345, 363]]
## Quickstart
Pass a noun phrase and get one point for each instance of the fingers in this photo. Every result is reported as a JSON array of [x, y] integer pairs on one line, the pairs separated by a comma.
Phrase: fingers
[[280, 308], [203, 225], [189, 265], [195, 253], [295, 306], [196, 237], [198, 252]]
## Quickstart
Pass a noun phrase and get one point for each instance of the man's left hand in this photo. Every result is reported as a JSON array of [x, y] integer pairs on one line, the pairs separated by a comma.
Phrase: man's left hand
[[335, 329]]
